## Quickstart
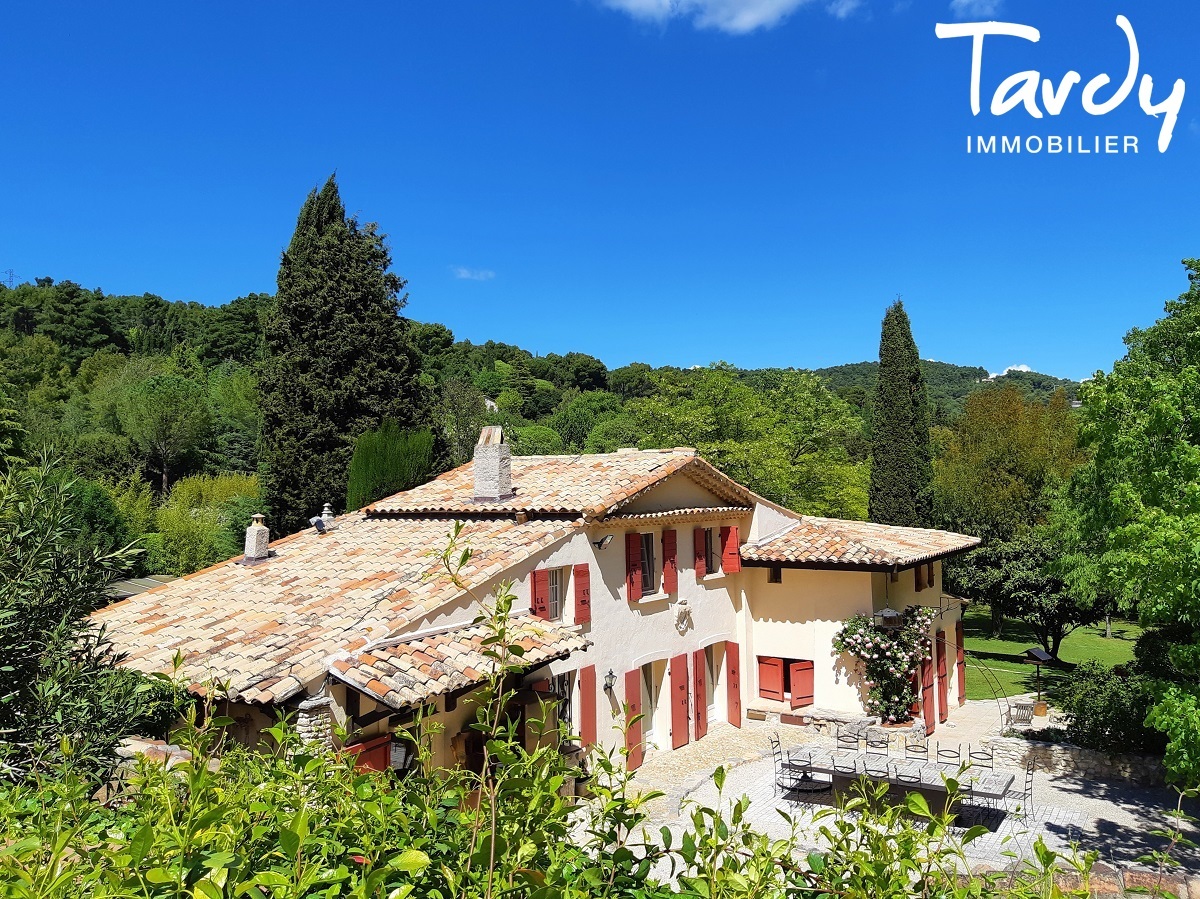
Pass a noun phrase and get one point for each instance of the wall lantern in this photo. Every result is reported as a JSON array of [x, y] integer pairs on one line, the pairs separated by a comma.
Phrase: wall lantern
[[610, 681], [889, 619], [603, 542]]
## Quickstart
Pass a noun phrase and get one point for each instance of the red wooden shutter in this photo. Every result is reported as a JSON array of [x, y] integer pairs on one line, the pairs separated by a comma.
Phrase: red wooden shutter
[[633, 728], [374, 754], [541, 593], [919, 574], [962, 662], [700, 549], [770, 677], [930, 582], [927, 696], [587, 706], [733, 682], [943, 680], [801, 674], [633, 567], [679, 701], [670, 578], [731, 550], [915, 680], [583, 593], [700, 691]]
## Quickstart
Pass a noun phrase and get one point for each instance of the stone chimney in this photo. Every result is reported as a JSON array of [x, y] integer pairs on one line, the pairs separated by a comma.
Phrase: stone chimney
[[492, 466], [258, 535]]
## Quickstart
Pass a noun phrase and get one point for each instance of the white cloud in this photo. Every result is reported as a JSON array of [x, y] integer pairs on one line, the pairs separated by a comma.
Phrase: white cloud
[[472, 274], [975, 9], [1022, 367], [730, 16], [844, 9]]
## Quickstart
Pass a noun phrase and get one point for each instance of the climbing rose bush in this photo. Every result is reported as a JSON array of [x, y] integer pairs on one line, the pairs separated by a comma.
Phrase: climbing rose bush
[[888, 657]]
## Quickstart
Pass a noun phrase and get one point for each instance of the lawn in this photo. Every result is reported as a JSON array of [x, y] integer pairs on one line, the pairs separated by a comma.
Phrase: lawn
[[1002, 657]]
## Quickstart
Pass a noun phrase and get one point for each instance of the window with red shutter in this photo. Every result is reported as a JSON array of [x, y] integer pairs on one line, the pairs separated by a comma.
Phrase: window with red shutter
[[633, 567], [770, 677], [800, 683], [582, 576], [540, 606], [731, 557], [670, 577], [919, 574], [700, 550], [587, 705]]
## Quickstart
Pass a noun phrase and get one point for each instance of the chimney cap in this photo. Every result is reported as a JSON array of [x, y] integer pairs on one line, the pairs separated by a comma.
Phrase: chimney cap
[[257, 519], [491, 435]]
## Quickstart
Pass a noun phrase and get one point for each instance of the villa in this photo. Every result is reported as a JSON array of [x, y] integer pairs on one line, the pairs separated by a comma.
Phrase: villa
[[646, 580]]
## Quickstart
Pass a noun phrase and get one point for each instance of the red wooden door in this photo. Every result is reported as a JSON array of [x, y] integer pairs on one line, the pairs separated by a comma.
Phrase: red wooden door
[[801, 676], [679, 701], [733, 683], [962, 662], [927, 696], [700, 691], [587, 705], [770, 677], [943, 679], [633, 728]]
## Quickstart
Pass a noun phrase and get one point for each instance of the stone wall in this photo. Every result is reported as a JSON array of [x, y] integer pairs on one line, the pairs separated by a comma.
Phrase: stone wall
[[314, 720], [1075, 761]]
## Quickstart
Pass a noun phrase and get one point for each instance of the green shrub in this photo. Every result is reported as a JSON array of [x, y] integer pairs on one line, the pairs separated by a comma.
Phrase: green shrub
[[537, 440], [386, 461], [1106, 709], [203, 520]]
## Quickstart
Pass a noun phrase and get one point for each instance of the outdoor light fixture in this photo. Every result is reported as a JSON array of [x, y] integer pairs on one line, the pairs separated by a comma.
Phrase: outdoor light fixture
[[610, 679], [603, 542], [889, 618]]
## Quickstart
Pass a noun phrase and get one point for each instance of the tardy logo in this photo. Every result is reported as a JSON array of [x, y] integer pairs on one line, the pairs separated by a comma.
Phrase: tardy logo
[[1021, 88]]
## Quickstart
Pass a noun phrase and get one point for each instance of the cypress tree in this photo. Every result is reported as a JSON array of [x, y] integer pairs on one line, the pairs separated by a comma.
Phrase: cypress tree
[[337, 358], [901, 456], [386, 461]]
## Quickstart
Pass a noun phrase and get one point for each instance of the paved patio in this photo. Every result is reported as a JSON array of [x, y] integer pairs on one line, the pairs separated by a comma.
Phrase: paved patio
[[1114, 819]]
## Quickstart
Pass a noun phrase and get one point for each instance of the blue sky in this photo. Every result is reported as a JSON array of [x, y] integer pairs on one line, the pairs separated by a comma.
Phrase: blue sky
[[672, 181]]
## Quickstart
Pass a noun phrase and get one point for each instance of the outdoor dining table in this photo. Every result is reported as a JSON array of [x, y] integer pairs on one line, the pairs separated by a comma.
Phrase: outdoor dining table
[[846, 766]]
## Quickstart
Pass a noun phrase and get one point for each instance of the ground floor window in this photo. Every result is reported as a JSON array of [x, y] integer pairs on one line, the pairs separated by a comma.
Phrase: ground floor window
[[786, 680]]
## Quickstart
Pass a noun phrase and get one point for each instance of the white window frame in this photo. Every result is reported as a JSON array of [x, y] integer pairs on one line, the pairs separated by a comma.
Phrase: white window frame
[[713, 551]]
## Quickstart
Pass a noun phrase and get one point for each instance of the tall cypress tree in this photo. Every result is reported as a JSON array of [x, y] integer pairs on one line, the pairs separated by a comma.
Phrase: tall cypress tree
[[338, 359], [901, 457]]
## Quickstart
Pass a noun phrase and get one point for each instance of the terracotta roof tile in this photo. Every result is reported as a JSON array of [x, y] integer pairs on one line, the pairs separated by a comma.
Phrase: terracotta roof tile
[[409, 673], [831, 541], [587, 485], [249, 625]]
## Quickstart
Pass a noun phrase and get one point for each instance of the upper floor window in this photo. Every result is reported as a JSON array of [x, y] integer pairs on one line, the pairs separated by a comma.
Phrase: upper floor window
[[556, 589], [648, 582], [712, 551]]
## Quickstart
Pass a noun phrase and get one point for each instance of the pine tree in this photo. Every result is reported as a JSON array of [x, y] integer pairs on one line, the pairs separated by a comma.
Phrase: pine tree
[[338, 360], [12, 434], [901, 457]]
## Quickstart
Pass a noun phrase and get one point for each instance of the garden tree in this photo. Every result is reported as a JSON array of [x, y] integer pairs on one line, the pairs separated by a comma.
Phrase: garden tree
[[901, 457], [1139, 498], [338, 361], [63, 703], [167, 417], [612, 434], [461, 413], [996, 474], [233, 397], [1019, 577], [388, 460]]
